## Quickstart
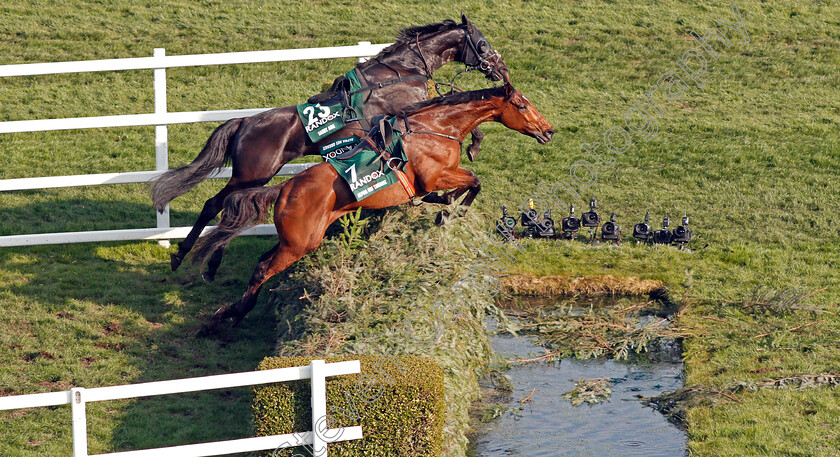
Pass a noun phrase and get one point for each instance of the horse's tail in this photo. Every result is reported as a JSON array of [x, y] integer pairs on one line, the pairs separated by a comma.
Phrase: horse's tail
[[243, 210], [177, 182]]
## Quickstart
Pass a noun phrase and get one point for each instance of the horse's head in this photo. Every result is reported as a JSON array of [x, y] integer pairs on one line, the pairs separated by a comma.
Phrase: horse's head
[[478, 54], [519, 114]]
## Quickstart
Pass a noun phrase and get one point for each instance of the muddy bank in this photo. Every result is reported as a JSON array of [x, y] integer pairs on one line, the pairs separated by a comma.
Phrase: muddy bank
[[553, 286]]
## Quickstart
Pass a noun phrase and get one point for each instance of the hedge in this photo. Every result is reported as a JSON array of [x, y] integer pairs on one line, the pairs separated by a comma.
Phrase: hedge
[[373, 276]]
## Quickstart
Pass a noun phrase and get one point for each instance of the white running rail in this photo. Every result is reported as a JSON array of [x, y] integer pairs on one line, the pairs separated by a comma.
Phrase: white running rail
[[316, 439], [159, 62]]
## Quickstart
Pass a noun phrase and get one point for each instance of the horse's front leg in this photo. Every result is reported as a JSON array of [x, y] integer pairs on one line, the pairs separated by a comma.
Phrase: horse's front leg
[[462, 180], [472, 149], [445, 198]]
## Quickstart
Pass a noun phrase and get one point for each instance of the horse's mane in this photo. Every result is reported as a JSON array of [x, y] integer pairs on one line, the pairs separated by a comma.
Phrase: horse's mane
[[410, 33], [456, 99]]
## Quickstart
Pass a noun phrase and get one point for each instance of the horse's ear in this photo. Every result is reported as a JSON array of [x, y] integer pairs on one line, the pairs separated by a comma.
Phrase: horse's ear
[[508, 90], [464, 20]]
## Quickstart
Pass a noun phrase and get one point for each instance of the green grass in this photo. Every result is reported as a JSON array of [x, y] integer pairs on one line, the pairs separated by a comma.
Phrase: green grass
[[94, 315], [753, 158]]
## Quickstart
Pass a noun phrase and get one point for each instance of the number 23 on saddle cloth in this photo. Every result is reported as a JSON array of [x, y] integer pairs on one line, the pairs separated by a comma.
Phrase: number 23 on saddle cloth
[[368, 164], [326, 113]]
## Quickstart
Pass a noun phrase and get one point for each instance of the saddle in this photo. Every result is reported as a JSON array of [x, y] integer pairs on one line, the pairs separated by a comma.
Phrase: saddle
[[329, 111], [381, 134], [374, 162], [382, 130]]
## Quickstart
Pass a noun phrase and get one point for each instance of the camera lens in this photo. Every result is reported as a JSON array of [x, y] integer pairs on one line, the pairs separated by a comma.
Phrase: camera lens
[[529, 218], [590, 219], [571, 224], [610, 231], [641, 230], [681, 235], [546, 227]]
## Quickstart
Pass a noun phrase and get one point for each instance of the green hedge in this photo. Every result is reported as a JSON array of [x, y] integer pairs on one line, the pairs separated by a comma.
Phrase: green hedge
[[398, 401], [394, 283]]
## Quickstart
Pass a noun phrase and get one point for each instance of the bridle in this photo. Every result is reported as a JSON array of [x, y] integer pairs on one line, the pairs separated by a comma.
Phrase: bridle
[[481, 50], [475, 55]]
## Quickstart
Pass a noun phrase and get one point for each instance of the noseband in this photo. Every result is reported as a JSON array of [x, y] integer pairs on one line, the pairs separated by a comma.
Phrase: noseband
[[480, 53]]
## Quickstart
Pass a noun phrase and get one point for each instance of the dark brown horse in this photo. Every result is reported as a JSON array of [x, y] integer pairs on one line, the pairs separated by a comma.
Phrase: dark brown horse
[[258, 146], [305, 205]]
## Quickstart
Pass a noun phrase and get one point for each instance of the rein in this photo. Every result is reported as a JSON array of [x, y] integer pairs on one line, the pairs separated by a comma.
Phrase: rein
[[422, 57], [390, 82], [409, 131]]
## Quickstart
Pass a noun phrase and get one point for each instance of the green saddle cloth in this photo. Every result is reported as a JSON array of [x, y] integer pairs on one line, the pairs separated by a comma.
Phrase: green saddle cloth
[[362, 167], [327, 117]]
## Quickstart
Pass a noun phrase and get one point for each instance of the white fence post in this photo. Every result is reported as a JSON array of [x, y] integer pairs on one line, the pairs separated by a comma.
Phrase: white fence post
[[161, 135], [77, 408], [319, 408]]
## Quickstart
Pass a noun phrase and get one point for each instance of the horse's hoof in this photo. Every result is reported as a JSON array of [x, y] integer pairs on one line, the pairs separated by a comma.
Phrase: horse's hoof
[[225, 313], [440, 219], [472, 153], [175, 261], [212, 328], [208, 276]]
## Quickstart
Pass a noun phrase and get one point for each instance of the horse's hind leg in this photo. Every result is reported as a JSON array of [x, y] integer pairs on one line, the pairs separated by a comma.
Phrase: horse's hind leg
[[212, 207], [272, 262], [245, 304], [213, 265]]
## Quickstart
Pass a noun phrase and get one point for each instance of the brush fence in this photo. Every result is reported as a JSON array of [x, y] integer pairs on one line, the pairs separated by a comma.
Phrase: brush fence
[[159, 62], [315, 440]]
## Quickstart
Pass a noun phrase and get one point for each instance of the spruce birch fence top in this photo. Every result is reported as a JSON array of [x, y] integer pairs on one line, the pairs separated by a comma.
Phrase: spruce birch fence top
[[159, 62]]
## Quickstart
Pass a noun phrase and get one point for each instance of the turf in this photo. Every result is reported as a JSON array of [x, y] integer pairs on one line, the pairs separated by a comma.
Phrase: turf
[[752, 157]]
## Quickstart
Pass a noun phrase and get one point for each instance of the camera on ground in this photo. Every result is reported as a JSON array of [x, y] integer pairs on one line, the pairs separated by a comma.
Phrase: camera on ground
[[610, 231], [571, 224]]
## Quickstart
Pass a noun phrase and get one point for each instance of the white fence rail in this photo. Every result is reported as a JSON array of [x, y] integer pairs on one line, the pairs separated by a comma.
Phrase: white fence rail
[[159, 62], [316, 439]]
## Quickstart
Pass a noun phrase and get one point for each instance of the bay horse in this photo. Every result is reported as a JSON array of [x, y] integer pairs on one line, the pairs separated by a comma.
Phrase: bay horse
[[258, 146], [305, 205]]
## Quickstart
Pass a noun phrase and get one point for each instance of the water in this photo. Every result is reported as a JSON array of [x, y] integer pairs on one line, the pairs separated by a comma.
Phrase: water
[[550, 426]]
